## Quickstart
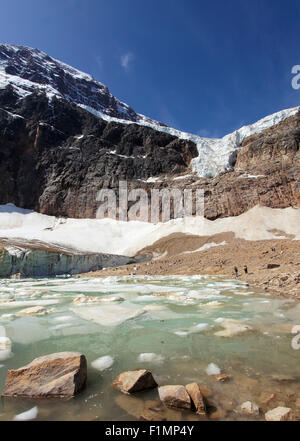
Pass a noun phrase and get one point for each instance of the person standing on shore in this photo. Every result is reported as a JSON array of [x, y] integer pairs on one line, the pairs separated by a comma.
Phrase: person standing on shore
[[246, 269], [236, 272]]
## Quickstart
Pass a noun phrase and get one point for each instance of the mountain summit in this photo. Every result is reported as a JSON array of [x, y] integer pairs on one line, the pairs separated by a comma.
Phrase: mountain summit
[[28, 70]]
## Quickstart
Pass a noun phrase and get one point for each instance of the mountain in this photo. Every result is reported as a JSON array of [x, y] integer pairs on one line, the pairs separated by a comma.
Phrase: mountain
[[29, 70], [63, 137]]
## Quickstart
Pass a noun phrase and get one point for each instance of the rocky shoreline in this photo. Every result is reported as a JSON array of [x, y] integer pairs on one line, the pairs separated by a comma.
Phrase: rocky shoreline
[[273, 265], [63, 375]]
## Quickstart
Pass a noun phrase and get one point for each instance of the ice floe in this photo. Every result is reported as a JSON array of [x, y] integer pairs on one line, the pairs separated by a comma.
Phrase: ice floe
[[212, 369], [151, 357], [102, 363], [30, 414], [108, 315]]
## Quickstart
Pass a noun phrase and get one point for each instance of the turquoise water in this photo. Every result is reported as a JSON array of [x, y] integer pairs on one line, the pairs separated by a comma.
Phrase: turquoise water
[[171, 319]]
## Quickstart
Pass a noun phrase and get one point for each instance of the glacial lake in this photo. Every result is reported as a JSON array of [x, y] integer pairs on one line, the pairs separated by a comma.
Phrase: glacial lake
[[170, 325]]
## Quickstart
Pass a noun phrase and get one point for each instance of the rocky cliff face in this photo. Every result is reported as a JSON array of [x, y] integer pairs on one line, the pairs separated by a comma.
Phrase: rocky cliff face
[[266, 172], [55, 157]]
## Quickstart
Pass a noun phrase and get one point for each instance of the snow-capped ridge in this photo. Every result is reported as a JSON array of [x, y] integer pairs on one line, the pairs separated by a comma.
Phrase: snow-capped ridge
[[28, 70]]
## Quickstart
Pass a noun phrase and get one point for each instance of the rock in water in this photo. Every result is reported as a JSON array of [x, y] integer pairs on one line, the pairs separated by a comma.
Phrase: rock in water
[[59, 375], [134, 381], [86, 299], [278, 414], [175, 396], [197, 398], [34, 310]]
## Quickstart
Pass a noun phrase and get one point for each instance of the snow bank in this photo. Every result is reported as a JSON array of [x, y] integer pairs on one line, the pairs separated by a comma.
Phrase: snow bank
[[128, 238]]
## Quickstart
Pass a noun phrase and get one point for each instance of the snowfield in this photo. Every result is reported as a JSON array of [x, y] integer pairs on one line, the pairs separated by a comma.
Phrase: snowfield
[[128, 238]]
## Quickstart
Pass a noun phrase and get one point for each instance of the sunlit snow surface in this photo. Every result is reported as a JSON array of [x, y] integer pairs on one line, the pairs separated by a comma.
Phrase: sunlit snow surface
[[167, 324], [128, 238]]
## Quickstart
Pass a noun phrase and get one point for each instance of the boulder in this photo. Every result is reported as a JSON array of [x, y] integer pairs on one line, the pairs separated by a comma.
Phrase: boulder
[[278, 414], [134, 381], [222, 378], [59, 375], [196, 396], [249, 408], [175, 396]]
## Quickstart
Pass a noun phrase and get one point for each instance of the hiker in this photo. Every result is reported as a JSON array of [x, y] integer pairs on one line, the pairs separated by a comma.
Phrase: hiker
[[245, 269], [236, 272]]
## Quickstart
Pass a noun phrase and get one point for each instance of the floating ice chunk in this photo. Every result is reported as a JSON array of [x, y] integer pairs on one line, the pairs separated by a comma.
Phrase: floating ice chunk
[[5, 343], [232, 327], [154, 308], [213, 369], [8, 316], [201, 326], [146, 299], [30, 414], [219, 320], [61, 326], [212, 304], [16, 304], [62, 318], [102, 363], [151, 357], [107, 315], [2, 331], [27, 330], [193, 330], [181, 333], [5, 354]]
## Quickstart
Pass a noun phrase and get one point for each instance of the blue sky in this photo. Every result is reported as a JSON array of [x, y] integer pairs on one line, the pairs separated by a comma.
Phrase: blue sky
[[203, 66]]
